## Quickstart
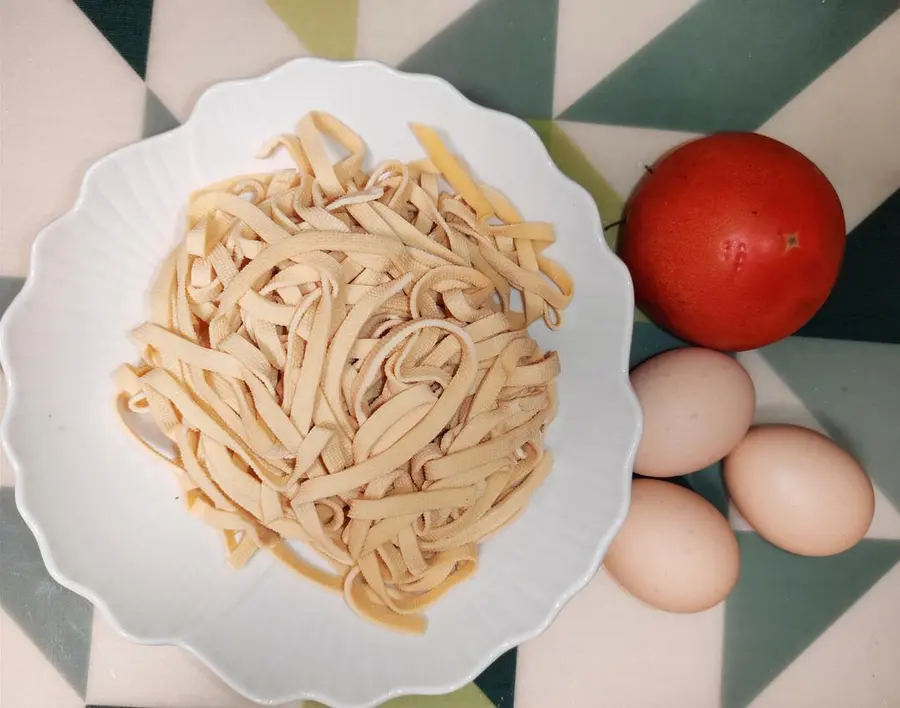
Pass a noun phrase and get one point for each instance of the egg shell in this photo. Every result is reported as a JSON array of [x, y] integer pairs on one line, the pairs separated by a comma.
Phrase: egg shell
[[799, 490], [697, 405], [675, 551]]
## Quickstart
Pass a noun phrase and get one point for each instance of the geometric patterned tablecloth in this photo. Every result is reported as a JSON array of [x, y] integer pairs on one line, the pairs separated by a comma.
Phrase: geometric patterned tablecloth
[[609, 85]]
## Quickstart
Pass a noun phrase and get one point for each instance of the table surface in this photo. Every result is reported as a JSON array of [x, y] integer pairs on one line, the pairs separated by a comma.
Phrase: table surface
[[609, 85]]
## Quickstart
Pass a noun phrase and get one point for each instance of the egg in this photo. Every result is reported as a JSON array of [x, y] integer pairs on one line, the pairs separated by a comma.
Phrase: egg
[[675, 551], [697, 405], [799, 490]]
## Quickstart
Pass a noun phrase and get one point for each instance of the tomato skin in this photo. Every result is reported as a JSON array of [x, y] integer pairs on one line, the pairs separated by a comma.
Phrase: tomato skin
[[734, 241]]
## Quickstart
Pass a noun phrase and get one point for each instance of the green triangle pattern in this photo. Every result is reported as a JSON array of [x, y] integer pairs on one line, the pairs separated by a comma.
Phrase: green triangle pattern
[[127, 28], [326, 27], [729, 64], [853, 390], [865, 302], [469, 696], [573, 163], [709, 484], [56, 620], [783, 603], [648, 340], [157, 118], [501, 54]]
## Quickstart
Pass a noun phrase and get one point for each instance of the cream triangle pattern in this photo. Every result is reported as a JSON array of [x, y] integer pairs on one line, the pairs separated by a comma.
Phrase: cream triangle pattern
[[678, 657], [391, 30], [65, 128], [192, 48], [600, 35], [27, 679]]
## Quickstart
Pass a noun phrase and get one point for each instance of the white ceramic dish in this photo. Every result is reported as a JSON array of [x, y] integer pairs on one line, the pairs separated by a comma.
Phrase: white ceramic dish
[[106, 515]]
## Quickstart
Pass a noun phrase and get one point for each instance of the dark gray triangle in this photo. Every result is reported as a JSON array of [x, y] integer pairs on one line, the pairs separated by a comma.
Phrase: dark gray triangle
[[157, 118], [125, 26], [56, 620], [709, 484], [9, 288], [865, 302], [498, 681], [783, 603]]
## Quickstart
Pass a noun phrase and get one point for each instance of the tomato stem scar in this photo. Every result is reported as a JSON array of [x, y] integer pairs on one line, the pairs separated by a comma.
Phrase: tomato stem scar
[[791, 241]]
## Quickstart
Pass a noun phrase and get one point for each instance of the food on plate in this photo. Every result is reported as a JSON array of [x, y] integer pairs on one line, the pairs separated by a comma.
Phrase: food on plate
[[733, 241], [799, 490], [697, 405], [675, 551], [340, 359]]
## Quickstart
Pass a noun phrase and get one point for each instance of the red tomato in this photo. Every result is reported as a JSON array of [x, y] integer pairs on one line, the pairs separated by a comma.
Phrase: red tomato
[[734, 241]]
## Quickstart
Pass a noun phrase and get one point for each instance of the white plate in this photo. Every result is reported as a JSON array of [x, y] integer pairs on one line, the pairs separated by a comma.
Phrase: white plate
[[106, 515]]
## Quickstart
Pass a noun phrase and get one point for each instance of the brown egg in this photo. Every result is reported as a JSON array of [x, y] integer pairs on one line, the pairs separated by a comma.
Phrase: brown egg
[[697, 405], [799, 490], [675, 551]]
